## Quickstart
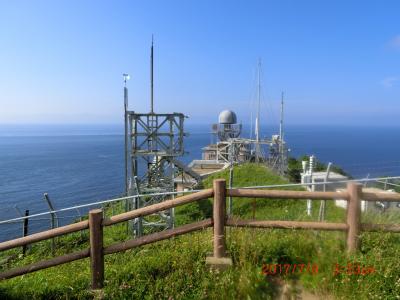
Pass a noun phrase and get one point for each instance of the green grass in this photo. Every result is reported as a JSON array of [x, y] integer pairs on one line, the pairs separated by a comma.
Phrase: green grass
[[175, 268]]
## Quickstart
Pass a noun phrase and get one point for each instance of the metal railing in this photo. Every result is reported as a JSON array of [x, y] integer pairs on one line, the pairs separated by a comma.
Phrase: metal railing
[[119, 199]]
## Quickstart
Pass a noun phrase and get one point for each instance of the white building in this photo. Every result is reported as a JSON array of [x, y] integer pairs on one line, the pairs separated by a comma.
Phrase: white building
[[320, 177], [368, 205]]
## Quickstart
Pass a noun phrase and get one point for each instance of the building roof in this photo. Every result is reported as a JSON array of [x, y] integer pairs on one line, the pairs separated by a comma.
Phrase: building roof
[[318, 176]]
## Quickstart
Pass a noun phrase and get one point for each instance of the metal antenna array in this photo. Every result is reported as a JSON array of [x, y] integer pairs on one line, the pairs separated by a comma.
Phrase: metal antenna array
[[283, 151], [230, 148], [155, 142], [278, 152]]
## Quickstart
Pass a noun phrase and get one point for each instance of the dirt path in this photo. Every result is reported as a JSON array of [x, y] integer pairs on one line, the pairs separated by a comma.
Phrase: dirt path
[[293, 290]]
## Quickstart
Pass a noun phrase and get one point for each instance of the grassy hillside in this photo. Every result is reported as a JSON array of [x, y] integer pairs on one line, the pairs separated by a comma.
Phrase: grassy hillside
[[175, 269]]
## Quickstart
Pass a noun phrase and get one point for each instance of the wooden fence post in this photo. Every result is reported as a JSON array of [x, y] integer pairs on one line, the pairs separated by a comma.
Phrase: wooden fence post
[[353, 216], [219, 258], [96, 248], [219, 209]]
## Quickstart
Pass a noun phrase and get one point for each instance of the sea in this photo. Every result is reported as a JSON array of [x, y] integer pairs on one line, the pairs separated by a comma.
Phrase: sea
[[78, 164]]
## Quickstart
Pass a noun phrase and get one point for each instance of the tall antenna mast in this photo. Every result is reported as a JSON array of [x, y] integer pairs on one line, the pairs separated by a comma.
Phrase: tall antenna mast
[[259, 101], [282, 165], [251, 118], [151, 77], [153, 157], [126, 78], [258, 147], [281, 122]]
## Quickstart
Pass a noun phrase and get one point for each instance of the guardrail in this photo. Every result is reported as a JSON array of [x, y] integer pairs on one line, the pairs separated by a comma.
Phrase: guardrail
[[96, 223]]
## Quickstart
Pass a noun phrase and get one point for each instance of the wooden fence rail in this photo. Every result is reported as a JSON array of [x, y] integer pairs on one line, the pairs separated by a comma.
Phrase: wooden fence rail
[[219, 221]]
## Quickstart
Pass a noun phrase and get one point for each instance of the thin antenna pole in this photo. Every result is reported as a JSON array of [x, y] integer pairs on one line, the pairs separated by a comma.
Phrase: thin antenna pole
[[151, 77], [126, 76], [252, 107], [251, 118], [281, 122], [259, 101], [281, 142], [257, 125]]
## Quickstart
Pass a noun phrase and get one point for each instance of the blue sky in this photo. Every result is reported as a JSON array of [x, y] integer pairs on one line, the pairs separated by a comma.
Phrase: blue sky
[[338, 62]]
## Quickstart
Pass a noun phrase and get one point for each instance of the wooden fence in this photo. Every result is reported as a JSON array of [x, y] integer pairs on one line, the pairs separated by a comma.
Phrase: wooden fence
[[219, 221]]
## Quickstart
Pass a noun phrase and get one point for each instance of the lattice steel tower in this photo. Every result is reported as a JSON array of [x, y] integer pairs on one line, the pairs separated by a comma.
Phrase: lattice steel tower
[[153, 143]]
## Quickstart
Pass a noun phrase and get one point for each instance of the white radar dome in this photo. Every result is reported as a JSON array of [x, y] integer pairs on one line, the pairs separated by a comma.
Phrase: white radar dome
[[227, 117]]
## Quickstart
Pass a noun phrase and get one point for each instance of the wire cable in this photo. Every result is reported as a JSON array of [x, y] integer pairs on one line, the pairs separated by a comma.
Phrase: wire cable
[[191, 191]]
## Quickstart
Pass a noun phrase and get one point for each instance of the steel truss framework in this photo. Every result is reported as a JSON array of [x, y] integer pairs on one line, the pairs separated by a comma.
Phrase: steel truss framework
[[156, 140], [278, 156], [238, 150]]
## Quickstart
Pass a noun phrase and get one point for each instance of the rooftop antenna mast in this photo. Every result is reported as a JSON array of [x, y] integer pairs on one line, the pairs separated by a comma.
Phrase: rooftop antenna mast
[[126, 78], [151, 77]]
